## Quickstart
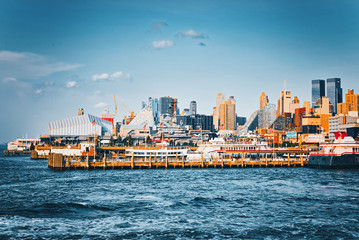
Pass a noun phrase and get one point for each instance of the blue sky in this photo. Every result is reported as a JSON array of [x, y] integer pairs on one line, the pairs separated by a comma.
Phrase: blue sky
[[58, 56]]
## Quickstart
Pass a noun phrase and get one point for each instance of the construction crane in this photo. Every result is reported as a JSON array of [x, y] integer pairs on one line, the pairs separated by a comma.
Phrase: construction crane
[[132, 114], [114, 131], [131, 117]]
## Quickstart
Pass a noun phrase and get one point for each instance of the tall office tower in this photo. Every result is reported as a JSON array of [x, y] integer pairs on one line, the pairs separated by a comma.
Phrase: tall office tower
[[323, 106], [193, 107], [351, 103], [168, 105], [155, 109], [318, 90], [228, 114], [334, 92], [294, 105], [284, 102], [352, 100], [216, 111], [263, 100]]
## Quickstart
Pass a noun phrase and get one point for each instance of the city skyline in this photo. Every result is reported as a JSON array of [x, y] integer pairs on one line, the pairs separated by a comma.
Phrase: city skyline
[[61, 56]]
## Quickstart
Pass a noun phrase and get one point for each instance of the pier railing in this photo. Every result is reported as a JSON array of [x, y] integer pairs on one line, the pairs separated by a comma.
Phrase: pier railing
[[224, 159]]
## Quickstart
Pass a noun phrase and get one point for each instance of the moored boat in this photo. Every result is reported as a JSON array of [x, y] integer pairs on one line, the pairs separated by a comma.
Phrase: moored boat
[[342, 153]]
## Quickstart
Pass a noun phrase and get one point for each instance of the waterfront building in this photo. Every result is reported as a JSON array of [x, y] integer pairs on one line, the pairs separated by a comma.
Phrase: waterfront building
[[80, 126], [168, 105], [193, 107], [334, 123], [263, 100], [228, 114], [216, 111], [311, 124], [197, 121], [299, 114], [318, 90], [324, 121], [334, 92]]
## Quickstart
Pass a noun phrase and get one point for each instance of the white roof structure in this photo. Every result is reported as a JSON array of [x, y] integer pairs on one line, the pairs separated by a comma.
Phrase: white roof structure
[[82, 125], [145, 117]]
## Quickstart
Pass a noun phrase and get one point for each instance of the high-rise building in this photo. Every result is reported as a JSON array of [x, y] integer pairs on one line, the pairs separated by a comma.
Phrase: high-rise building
[[155, 109], [193, 107], [284, 102], [318, 90], [352, 100], [334, 92], [228, 114], [294, 105], [216, 111], [308, 109], [168, 105], [351, 103], [263, 100]]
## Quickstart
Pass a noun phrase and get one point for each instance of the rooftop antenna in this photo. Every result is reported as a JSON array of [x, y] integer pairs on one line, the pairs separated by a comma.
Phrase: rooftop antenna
[[285, 85]]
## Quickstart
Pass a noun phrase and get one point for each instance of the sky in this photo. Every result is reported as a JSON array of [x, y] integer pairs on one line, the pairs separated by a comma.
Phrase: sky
[[59, 56]]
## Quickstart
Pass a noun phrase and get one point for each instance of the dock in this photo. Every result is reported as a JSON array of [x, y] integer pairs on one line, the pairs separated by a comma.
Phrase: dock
[[16, 153], [236, 159]]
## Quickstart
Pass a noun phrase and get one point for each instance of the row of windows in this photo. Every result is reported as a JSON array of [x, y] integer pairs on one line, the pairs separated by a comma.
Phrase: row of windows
[[239, 148], [157, 153]]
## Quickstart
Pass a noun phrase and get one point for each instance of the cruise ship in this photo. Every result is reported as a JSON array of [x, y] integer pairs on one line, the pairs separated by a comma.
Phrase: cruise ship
[[342, 153]]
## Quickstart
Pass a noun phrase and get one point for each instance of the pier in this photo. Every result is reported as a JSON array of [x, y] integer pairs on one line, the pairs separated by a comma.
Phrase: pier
[[16, 153], [226, 159]]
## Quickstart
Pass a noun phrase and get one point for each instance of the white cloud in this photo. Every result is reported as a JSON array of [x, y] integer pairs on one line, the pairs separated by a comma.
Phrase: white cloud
[[39, 91], [192, 34], [113, 77], [30, 65], [103, 76], [9, 79], [163, 44], [101, 105], [71, 84]]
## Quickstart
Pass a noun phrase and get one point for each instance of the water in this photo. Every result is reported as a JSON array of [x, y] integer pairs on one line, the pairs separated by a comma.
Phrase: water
[[276, 203]]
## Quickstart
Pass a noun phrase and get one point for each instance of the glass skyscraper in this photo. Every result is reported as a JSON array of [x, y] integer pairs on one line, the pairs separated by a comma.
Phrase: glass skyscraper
[[334, 92], [318, 90]]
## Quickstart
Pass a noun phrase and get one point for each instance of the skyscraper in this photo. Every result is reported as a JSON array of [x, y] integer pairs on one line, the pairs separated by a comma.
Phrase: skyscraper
[[228, 114], [318, 90], [193, 107], [263, 100], [168, 105], [334, 92], [217, 110], [284, 102]]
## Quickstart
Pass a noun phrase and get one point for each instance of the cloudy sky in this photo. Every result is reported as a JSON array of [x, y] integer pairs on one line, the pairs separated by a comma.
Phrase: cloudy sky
[[58, 56]]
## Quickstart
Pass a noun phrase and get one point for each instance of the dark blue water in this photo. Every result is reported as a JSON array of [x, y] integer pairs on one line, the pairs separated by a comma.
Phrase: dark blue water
[[281, 203]]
